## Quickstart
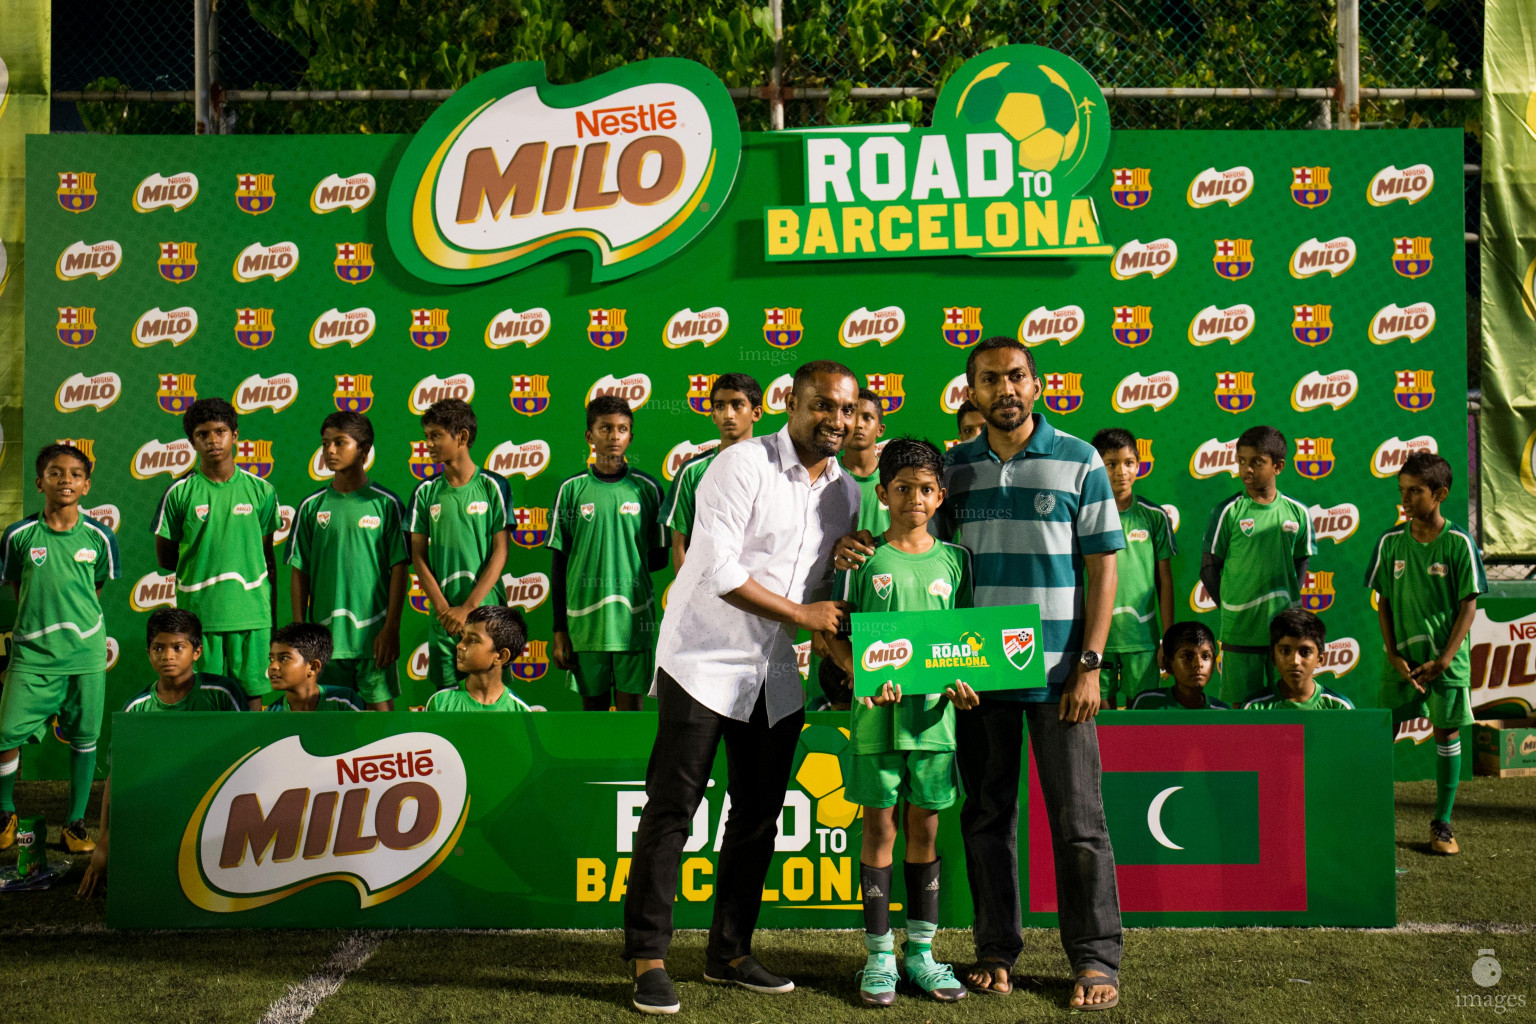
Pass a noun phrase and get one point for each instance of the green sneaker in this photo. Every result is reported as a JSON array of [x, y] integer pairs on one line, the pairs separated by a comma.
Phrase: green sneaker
[[934, 978], [877, 981]]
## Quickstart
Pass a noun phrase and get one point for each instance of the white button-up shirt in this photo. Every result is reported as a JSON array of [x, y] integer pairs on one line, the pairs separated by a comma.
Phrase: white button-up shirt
[[757, 514]]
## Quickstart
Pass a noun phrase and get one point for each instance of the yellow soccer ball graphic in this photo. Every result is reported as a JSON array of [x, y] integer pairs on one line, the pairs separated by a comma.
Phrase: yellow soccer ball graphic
[[820, 775], [1033, 105]]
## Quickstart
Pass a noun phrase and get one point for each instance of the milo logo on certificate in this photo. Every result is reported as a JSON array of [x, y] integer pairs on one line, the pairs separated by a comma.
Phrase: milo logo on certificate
[[927, 651]]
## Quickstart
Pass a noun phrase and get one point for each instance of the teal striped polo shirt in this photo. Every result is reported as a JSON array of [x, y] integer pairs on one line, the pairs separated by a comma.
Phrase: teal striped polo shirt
[[1028, 522]]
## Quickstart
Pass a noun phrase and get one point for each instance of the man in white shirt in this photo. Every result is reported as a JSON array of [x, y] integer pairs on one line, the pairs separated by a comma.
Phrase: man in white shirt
[[759, 567]]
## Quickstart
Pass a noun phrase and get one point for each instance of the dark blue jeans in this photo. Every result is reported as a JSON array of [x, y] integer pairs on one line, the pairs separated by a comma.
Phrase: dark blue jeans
[[989, 749]]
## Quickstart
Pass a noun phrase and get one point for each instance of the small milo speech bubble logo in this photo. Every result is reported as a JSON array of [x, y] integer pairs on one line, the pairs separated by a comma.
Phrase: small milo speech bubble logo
[[629, 167], [887, 656]]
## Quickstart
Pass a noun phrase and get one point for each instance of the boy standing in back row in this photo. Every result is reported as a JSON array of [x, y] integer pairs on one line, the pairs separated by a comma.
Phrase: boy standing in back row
[[1252, 562], [214, 529], [861, 458], [56, 562], [1427, 575], [735, 406], [458, 524], [348, 555]]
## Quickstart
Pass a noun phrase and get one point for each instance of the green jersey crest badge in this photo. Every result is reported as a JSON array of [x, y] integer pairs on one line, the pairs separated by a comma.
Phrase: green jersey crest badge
[[39, 556]]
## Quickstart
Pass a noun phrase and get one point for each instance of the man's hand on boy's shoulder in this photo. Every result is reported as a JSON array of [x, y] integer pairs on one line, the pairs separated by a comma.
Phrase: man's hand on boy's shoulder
[[852, 549]]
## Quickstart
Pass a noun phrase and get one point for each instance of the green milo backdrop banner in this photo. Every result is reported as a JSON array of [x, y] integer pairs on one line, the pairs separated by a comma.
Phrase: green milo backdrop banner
[[457, 820], [1182, 285]]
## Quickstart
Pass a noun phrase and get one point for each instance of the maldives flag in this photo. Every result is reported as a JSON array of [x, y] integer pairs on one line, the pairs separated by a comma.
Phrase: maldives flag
[[1202, 818]]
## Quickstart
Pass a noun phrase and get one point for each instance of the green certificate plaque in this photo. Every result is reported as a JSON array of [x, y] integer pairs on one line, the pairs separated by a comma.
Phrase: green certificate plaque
[[993, 648]]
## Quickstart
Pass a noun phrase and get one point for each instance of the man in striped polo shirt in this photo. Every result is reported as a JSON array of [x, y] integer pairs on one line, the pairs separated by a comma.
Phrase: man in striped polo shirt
[[1035, 508]]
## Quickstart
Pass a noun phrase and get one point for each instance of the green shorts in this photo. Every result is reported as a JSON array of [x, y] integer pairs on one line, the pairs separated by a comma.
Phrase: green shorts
[[1446, 707], [598, 672], [923, 778], [242, 655], [28, 700], [440, 651], [373, 684], [1244, 676], [1124, 674]]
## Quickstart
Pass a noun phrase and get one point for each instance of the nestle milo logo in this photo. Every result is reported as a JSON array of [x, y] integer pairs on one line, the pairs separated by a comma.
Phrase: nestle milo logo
[[629, 166], [381, 818]]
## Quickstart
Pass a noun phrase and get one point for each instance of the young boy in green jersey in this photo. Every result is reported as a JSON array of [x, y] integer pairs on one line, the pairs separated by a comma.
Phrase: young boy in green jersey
[[861, 459], [607, 541], [347, 550], [1188, 653], [56, 561], [213, 529], [494, 636], [1296, 638], [969, 421], [175, 641], [300, 651], [735, 406], [1252, 562], [458, 523], [1427, 574], [902, 750], [1144, 591]]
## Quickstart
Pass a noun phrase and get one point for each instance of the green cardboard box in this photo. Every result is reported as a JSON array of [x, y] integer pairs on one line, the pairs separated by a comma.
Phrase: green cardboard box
[[1505, 747]]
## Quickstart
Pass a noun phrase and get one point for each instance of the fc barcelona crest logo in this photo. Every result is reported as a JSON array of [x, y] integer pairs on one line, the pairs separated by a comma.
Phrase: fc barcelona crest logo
[[77, 325], [1133, 325], [254, 192], [533, 662], [255, 457], [1411, 256], [87, 446], [531, 527], [429, 328], [177, 392], [962, 325], [1019, 647], [1144, 457], [605, 327], [178, 261], [354, 261], [1317, 591], [887, 387], [1234, 391], [417, 596], [1063, 392], [781, 326], [1234, 258], [699, 387], [1132, 187], [1415, 390], [354, 393], [421, 465], [1309, 186], [253, 328], [77, 190], [1312, 325], [1314, 457], [530, 394]]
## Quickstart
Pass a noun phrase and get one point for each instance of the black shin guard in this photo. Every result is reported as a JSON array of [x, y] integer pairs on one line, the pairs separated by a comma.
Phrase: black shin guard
[[923, 890], [876, 883]]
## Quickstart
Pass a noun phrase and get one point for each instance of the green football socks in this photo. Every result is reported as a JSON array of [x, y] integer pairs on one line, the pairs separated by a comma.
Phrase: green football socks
[[10, 771], [82, 768], [1447, 777]]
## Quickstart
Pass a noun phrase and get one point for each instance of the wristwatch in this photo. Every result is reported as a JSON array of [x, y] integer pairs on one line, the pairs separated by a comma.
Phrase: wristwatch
[[1090, 660]]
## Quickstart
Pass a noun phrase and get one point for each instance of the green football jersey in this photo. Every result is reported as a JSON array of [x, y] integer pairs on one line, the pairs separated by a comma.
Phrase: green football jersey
[[1259, 545], [59, 629], [461, 524], [209, 693], [607, 531], [219, 529], [873, 516], [332, 698], [677, 510], [1164, 700], [460, 700], [347, 544], [1136, 625], [1322, 699], [1424, 585], [894, 581]]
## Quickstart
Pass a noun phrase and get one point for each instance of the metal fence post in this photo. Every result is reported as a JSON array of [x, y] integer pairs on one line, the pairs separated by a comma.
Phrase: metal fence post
[[216, 124], [200, 63], [1349, 63], [776, 80]]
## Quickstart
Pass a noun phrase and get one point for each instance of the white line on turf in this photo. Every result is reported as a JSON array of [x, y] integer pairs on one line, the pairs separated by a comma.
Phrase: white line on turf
[[299, 1003]]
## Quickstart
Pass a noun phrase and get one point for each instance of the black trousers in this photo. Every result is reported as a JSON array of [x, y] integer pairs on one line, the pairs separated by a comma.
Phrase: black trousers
[[758, 758]]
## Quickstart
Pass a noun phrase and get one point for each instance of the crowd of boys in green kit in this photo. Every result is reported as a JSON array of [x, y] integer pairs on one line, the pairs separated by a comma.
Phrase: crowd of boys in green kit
[[352, 540]]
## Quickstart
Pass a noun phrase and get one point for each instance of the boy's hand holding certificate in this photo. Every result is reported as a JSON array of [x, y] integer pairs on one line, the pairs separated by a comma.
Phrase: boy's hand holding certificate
[[992, 648]]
